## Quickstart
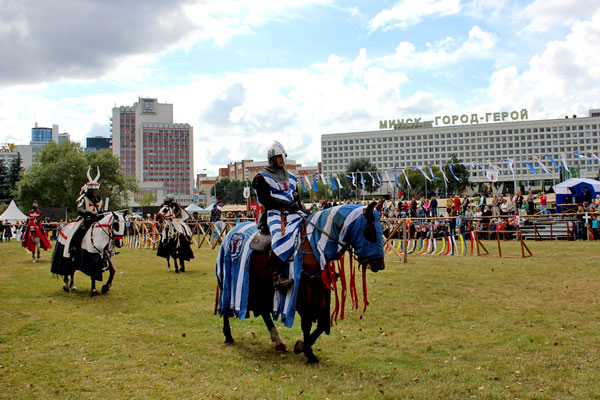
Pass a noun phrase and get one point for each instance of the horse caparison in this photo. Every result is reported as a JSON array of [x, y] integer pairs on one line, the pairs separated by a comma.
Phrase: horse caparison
[[313, 299]]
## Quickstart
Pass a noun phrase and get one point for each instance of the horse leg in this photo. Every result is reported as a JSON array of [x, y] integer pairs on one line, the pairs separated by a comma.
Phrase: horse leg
[[306, 345], [66, 283], [275, 337], [111, 275], [176, 265], [72, 284], [182, 262], [94, 292], [227, 330], [168, 263]]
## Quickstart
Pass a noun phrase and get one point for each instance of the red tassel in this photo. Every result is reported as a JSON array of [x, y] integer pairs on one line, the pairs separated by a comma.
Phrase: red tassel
[[334, 314], [343, 282], [364, 281], [353, 293]]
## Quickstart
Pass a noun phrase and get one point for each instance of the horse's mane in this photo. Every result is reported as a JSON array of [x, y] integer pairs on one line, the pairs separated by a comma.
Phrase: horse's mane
[[339, 223]]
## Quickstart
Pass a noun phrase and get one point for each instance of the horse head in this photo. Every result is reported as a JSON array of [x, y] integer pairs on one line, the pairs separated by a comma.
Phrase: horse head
[[367, 239], [165, 212], [117, 227]]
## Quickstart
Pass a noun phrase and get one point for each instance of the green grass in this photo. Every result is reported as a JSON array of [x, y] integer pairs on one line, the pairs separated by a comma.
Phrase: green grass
[[437, 327]]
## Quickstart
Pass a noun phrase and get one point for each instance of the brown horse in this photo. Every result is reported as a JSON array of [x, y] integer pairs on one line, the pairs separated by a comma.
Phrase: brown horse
[[363, 234]]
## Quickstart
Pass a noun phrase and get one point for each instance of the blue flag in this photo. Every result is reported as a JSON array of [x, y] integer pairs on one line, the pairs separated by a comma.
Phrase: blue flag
[[530, 166], [452, 172], [334, 185], [315, 188], [549, 157], [302, 183]]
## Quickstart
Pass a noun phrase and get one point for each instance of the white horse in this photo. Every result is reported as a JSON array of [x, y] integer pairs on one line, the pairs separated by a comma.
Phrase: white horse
[[97, 249]]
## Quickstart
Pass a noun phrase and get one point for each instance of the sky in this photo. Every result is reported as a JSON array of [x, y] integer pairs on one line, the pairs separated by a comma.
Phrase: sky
[[246, 73]]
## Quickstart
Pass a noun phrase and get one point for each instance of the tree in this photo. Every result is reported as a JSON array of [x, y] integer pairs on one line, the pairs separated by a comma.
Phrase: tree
[[145, 198], [461, 173], [229, 192], [359, 165], [60, 171], [4, 184], [14, 173]]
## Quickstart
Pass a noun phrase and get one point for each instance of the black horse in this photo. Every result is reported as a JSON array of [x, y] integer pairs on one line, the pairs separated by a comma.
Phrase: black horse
[[363, 234], [175, 240]]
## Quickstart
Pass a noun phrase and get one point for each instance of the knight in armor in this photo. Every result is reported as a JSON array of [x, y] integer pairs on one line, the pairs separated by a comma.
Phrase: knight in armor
[[35, 228], [277, 192], [89, 205]]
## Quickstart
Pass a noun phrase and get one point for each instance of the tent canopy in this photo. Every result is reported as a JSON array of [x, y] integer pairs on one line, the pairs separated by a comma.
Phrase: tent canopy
[[13, 214], [571, 191], [194, 208]]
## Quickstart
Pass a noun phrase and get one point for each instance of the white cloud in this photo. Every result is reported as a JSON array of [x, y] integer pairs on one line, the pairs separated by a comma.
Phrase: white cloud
[[558, 81], [479, 44], [411, 12], [544, 15]]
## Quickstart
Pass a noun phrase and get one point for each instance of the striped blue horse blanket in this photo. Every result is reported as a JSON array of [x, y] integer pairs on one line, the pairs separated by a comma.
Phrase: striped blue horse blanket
[[233, 261], [233, 265]]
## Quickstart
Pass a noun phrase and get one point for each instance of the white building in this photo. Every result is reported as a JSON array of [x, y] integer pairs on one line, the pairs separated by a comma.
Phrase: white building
[[158, 152], [487, 144]]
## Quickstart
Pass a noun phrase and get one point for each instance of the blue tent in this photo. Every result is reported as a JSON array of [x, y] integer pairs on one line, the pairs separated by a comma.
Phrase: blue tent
[[571, 192]]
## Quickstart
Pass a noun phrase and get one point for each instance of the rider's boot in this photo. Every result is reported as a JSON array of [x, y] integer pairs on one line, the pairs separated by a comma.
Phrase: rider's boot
[[277, 268]]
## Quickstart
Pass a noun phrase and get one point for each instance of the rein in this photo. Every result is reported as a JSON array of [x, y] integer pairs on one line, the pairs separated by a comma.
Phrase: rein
[[344, 247]]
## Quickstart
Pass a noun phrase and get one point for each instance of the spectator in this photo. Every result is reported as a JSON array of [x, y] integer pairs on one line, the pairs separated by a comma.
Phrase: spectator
[[596, 228], [543, 204], [433, 207], [587, 195], [457, 204], [465, 204], [518, 202], [530, 204], [496, 205]]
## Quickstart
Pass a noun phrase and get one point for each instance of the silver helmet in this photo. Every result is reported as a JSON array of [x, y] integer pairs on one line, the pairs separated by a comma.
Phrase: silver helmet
[[276, 149]]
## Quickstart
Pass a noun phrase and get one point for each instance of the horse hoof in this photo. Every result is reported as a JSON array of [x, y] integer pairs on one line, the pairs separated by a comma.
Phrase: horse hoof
[[65, 288], [229, 341], [282, 348], [94, 293], [105, 288], [73, 288], [312, 360], [176, 271], [299, 347]]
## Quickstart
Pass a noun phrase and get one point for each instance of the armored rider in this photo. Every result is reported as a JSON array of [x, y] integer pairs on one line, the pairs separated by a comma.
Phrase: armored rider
[[89, 205], [277, 192]]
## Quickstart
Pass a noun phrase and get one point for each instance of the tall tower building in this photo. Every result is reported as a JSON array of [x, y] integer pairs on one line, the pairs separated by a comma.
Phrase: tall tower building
[[158, 152]]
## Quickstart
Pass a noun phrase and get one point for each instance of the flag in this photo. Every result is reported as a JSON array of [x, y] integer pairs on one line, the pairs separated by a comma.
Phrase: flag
[[362, 180], [423, 172], [542, 165], [593, 155], [530, 166], [510, 165], [389, 179], [580, 155], [334, 185], [406, 178], [444, 175], [307, 182], [302, 183], [323, 179], [315, 183], [435, 178], [452, 171], [378, 179], [564, 162], [338, 182], [548, 156], [353, 179]]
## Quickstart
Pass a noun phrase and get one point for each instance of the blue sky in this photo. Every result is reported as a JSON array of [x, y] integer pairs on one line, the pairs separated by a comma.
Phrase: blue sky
[[246, 73]]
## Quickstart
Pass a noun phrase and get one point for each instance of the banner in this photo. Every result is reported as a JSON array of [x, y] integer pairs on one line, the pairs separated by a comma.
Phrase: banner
[[247, 192]]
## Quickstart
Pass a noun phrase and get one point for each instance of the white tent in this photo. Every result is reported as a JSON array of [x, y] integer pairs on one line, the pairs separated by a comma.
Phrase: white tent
[[565, 187], [194, 208], [13, 214]]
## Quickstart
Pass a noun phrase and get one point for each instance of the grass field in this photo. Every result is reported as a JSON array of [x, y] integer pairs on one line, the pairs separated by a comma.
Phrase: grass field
[[437, 327]]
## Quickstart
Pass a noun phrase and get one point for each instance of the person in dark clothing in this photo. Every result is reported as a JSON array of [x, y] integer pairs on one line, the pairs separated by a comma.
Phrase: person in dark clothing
[[433, 207], [587, 195]]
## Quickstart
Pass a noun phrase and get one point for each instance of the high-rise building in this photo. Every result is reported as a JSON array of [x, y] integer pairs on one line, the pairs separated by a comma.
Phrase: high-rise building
[[158, 152]]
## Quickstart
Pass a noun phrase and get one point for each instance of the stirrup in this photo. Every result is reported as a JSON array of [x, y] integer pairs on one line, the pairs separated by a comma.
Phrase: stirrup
[[282, 283]]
